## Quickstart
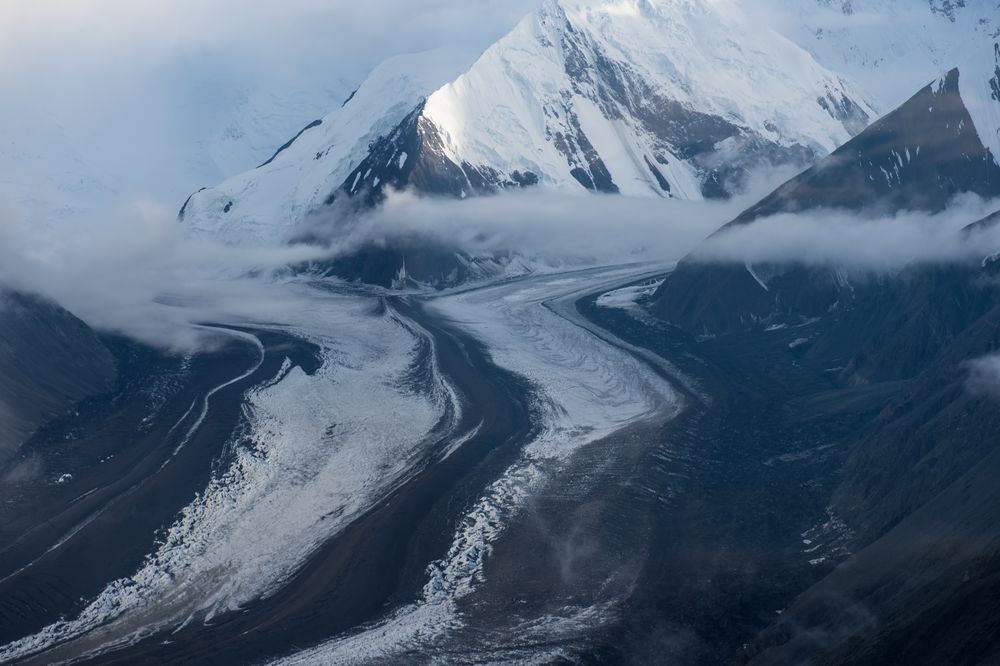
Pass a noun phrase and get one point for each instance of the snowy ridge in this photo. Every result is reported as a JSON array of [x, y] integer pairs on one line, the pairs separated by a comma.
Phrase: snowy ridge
[[57, 167], [262, 120], [262, 205]]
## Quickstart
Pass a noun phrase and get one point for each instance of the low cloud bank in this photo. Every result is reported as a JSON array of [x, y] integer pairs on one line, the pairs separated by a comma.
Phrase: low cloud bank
[[550, 227], [136, 273], [846, 240], [607, 228]]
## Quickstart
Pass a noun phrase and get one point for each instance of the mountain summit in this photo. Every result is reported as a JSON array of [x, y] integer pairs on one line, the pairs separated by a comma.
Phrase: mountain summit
[[673, 98]]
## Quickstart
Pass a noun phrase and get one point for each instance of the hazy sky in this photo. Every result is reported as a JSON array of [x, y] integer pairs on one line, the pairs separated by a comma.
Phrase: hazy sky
[[69, 38], [123, 99]]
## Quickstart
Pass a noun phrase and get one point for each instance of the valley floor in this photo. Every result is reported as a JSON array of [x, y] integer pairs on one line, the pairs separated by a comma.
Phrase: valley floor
[[529, 471]]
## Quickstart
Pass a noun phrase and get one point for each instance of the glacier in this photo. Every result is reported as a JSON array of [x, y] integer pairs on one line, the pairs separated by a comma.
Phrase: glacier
[[315, 451]]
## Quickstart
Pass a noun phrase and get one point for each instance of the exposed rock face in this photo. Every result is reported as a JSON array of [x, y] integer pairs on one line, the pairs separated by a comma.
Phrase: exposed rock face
[[919, 490]]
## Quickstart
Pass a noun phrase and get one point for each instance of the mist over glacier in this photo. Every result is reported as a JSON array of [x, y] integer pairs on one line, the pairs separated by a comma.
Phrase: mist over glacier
[[137, 272]]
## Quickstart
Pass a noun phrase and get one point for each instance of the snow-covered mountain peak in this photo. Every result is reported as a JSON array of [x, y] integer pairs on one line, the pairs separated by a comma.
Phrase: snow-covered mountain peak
[[676, 98], [639, 97]]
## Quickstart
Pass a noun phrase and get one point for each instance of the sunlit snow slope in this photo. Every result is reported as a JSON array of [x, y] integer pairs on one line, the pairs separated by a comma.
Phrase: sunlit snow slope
[[640, 97]]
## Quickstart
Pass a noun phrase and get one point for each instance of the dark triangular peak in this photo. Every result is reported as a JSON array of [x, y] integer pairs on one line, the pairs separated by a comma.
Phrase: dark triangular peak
[[917, 157]]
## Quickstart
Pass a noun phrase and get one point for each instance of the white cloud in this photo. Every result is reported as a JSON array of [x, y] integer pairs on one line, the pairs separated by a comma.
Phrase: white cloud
[[134, 270], [984, 375], [544, 225], [135, 273], [549, 226], [844, 239]]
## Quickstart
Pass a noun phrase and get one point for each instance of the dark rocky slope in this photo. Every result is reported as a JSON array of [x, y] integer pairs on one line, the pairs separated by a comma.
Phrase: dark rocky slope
[[49, 360], [920, 490], [917, 493]]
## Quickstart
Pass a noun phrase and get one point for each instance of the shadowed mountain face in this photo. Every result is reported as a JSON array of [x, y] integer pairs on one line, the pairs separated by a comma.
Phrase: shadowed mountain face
[[917, 491], [918, 488], [49, 360], [916, 158]]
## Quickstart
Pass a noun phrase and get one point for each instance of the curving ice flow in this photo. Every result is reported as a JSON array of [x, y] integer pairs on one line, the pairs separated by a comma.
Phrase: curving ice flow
[[206, 400], [587, 388], [324, 448], [591, 388], [315, 451]]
